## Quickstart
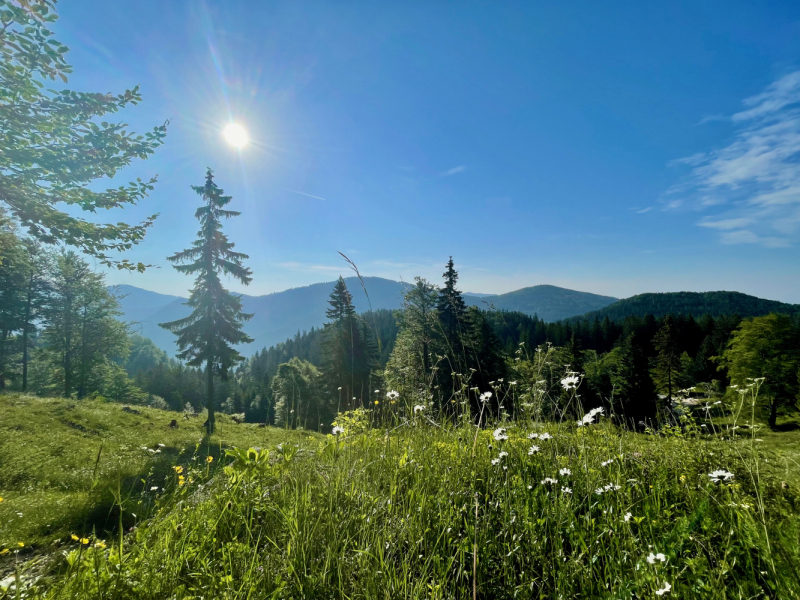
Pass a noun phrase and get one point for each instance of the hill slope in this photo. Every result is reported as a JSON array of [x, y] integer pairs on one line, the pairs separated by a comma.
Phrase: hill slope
[[549, 302], [691, 303]]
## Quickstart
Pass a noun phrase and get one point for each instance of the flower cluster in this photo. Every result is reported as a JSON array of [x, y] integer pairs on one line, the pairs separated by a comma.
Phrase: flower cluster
[[500, 434]]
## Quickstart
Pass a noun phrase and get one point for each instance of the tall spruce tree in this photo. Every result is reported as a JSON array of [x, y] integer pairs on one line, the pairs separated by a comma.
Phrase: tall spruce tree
[[348, 349], [207, 336], [667, 362], [453, 329]]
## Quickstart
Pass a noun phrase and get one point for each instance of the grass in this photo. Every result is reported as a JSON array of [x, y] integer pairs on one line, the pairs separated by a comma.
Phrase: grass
[[62, 463], [426, 511]]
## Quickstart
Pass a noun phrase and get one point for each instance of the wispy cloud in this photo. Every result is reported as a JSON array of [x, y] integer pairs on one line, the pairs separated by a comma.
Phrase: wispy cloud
[[454, 171], [309, 267], [644, 210], [304, 194], [755, 179]]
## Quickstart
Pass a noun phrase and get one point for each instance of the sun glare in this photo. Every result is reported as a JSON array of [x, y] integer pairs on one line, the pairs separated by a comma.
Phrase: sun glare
[[235, 135]]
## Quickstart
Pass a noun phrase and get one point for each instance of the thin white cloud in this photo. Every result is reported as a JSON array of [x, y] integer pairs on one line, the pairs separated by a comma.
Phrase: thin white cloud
[[726, 224], [756, 177], [644, 210], [304, 194], [309, 267], [454, 171]]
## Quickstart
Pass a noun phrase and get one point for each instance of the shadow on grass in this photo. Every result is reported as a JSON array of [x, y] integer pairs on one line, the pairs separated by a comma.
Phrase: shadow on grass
[[100, 515]]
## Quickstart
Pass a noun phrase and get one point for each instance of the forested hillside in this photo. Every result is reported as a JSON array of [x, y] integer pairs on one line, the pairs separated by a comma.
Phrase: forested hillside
[[691, 303], [548, 302]]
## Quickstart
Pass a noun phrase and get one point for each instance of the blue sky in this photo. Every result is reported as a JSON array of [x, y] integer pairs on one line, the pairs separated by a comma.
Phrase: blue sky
[[616, 148]]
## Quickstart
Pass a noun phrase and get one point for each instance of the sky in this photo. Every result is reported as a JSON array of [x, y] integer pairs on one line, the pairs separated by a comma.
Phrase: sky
[[615, 148]]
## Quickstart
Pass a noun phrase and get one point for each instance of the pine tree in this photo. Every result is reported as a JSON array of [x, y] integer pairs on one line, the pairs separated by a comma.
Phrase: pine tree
[[634, 393], [207, 336]]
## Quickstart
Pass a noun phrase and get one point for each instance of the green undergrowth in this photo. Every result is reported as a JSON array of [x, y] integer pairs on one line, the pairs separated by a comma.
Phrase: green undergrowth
[[65, 465], [426, 511]]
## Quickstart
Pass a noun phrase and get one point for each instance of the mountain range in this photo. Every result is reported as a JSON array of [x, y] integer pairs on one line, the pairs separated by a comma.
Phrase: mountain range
[[281, 315]]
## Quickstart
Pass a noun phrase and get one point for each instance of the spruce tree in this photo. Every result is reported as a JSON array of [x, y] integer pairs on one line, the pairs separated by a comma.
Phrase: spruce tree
[[453, 328], [207, 336], [667, 362], [348, 348]]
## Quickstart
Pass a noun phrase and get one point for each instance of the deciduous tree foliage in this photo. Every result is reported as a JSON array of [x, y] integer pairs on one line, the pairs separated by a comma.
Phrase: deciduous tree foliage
[[54, 143], [767, 347], [208, 334]]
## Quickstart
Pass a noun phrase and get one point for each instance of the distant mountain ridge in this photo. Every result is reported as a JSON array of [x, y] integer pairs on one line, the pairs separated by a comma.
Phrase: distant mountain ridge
[[281, 315], [691, 303], [548, 302]]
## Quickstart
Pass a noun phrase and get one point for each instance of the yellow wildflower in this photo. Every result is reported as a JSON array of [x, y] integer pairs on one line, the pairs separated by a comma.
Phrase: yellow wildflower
[[1, 498], [376, 403], [74, 537], [101, 544], [21, 544], [178, 470], [85, 541], [181, 480], [4, 551], [210, 459]]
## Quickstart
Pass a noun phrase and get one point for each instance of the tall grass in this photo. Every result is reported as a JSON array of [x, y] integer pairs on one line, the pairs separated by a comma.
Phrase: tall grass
[[446, 510]]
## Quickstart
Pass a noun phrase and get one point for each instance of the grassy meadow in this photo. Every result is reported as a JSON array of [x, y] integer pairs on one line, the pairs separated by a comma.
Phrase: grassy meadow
[[424, 510]]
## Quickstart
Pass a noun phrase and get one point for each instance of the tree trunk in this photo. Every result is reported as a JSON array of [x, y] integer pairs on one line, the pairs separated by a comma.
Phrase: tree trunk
[[210, 400], [773, 412], [25, 327]]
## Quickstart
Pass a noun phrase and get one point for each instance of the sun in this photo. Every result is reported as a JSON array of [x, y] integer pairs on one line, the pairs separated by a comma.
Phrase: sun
[[235, 135]]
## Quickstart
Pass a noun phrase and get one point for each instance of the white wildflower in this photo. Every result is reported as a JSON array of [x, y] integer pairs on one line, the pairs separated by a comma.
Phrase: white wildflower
[[570, 382], [495, 461], [652, 558], [533, 450], [503, 454], [533, 436], [418, 408], [547, 480], [337, 430], [392, 394], [627, 516], [720, 475], [565, 472], [566, 490], [500, 434], [664, 590], [607, 462], [545, 436], [486, 396]]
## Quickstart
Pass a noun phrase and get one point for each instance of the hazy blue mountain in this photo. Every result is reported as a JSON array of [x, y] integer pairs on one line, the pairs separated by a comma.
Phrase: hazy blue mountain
[[549, 302], [276, 317], [138, 304], [692, 303]]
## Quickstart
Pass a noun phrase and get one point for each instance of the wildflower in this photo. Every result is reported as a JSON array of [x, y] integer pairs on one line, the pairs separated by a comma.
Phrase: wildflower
[[181, 480], [503, 454], [75, 537], [100, 544], [495, 461], [154, 488], [565, 472], [376, 403], [533, 450], [84, 541], [337, 430], [512, 382], [178, 470], [547, 480], [4, 551], [720, 475], [339, 388], [418, 408], [570, 382], [607, 462], [627, 516], [652, 558], [545, 436], [377, 391], [209, 459], [486, 396], [500, 434], [588, 418], [664, 590], [566, 490], [161, 446], [533, 436], [392, 394]]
